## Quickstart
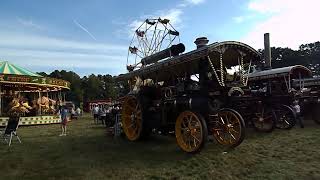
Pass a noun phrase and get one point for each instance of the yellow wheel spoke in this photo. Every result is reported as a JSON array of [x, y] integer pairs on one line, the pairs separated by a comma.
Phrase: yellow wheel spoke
[[195, 138], [232, 135], [234, 130]]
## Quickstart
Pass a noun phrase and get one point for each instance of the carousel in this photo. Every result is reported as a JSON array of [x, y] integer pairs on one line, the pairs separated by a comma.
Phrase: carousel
[[35, 97]]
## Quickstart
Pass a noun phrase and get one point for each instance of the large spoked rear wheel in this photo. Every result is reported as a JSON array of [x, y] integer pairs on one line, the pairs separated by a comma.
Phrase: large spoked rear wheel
[[286, 117], [131, 117], [191, 131], [264, 119], [229, 128]]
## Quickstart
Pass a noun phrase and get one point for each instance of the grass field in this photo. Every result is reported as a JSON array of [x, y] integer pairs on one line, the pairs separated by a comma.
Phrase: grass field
[[88, 153]]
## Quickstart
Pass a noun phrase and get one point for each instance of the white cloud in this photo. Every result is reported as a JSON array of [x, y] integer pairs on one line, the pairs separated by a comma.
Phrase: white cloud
[[290, 23], [17, 40], [37, 59], [270, 6], [29, 23], [239, 19], [36, 52], [195, 1], [174, 15]]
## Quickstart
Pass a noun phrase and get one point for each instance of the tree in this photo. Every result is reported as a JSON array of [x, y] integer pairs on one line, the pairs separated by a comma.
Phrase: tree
[[76, 92]]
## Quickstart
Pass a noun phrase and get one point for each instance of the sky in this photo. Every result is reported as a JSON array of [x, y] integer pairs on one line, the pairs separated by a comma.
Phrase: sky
[[93, 36]]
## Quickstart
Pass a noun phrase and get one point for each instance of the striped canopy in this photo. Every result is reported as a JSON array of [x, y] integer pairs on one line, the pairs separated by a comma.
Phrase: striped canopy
[[8, 68]]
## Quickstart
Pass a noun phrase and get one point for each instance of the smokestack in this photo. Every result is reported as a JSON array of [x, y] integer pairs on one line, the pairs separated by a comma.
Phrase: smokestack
[[201, 41], [174, 50], [267, 51]]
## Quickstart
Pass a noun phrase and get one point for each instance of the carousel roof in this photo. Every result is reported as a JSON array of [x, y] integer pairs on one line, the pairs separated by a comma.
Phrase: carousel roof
[[15, 77], [8, 68]]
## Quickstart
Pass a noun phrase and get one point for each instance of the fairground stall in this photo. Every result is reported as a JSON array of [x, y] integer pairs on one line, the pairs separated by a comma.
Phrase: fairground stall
[[39, 96]]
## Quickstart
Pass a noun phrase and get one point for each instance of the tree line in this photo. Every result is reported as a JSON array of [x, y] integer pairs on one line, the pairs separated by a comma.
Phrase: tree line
[[307, 55], [87, 88], [94, 87]]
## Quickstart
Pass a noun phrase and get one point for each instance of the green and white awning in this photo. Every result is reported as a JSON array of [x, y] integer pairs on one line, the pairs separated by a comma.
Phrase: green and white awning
[[8, 68], [12, 74]]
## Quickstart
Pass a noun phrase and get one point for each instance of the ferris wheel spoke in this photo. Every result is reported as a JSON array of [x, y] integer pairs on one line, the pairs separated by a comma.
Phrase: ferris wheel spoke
[[153, 37]]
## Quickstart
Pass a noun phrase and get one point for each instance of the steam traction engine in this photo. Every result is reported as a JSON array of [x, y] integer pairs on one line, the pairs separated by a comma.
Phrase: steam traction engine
[[190, 93], [272, 92]]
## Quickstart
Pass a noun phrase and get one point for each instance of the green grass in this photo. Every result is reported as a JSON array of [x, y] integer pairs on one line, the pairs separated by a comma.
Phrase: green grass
[[88, 153]]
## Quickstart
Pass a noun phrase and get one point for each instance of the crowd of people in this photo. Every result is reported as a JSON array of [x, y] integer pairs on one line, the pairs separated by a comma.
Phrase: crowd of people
[[105, 114]]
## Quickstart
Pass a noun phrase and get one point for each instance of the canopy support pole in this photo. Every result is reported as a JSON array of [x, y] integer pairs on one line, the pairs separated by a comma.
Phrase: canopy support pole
[[40, 103], [0, 100]]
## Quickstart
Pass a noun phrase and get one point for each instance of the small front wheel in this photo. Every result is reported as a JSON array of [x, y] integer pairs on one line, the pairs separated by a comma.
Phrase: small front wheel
[[191, 131]]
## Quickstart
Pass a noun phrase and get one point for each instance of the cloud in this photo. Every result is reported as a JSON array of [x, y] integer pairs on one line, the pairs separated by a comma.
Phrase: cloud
[[174, 14], [84, 29], [195, 2], [32, 41], [36, 52], [270, 6], [29, 23], [239, 19], [290, 23], [37, 59]]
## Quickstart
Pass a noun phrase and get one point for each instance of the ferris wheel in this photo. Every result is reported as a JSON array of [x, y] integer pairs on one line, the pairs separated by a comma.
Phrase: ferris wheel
[[152, 36]]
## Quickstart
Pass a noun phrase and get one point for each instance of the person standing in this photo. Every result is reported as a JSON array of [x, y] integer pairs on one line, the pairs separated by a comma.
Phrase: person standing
[[64, 120], [78, 111], [297, 109], [102, 114], [95, 112], [73, 114]]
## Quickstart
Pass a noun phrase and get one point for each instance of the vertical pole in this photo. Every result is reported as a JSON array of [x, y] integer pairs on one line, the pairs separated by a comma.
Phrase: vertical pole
[[40, 103], [289, 81], [300, 81], [0, 100], [267, 51]]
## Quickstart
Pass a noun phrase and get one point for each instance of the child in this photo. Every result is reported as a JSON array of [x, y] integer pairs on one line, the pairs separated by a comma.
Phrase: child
[[64, 120], [297, 109]]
